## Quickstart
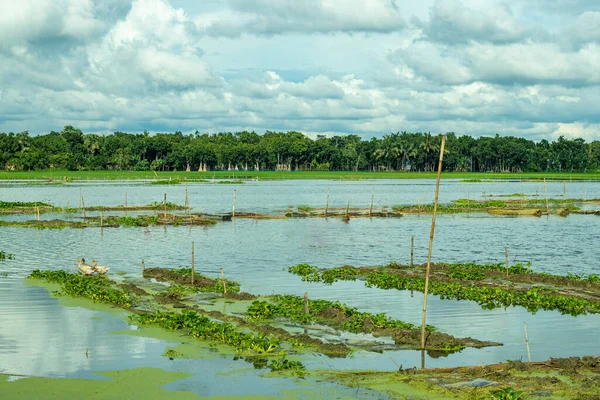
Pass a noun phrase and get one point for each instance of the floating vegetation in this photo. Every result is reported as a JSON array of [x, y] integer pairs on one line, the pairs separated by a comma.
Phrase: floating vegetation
[[6, 256], [461, 282], [238, 182], [343, 317], [96, 288], [183, 276], [166, 182]]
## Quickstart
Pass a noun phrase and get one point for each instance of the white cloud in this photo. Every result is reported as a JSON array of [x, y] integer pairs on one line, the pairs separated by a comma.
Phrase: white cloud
[[473, 67], [273, 17]]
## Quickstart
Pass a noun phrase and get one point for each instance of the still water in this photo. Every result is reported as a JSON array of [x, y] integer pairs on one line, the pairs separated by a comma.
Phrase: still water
[[40, 337]]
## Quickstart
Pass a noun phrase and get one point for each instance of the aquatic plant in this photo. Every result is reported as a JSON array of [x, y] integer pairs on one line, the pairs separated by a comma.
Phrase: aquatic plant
[[304, 208], [283, 364], [166, 182], [96, 288], [201, 327], [323, 311], [4, 255], [22, 204], [507, 393]]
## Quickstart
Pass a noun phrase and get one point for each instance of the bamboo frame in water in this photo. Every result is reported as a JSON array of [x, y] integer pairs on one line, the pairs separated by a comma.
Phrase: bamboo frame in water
[[427, 271]]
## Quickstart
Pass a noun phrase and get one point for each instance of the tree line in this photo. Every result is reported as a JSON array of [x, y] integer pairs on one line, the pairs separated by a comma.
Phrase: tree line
[[73, 150]]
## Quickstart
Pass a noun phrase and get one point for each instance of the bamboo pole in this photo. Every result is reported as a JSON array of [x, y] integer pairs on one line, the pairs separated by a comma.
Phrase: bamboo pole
[[83, 206], [223, 280], [412, 250], [306, 310], [435, 203], [80, 197], [165, 205], [506, 255], [327, 201], [527, 342], [192, 263], [584, 194], [233, 205], [348, 210], [546, 193], [187, 200], [372, 197], [101, 219], [565, 193], [38, 212], [125, 199]]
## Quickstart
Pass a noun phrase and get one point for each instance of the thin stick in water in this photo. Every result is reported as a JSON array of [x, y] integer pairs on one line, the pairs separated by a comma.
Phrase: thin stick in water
[[306, 310], [527, 342], [223, 280], [192, 263], [372, 197], [165, 205], [546, 193], [327, 201], [427, 271], [506, 255], [233, 205], [412, 250]]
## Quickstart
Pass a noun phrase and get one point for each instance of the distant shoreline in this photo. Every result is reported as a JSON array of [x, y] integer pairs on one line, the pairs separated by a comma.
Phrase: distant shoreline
[[57, 176]]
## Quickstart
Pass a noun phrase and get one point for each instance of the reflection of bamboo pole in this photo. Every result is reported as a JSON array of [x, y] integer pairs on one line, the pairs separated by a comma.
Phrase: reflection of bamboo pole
[[327, 201], [506, 255], [546, 192], [372, 196], [192, 263], [223, 280], [527, 342], [435, 203]]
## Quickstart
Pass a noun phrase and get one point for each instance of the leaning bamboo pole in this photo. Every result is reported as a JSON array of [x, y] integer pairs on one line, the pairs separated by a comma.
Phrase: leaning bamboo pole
[[435, 203]]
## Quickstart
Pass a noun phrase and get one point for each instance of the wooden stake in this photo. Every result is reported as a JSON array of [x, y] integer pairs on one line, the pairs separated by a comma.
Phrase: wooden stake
[[125, 199], [83, 207], [306, 310], [435, 203], [101, 219], [327, 201], [546, 192], [584, 194], [372, 197], [348, 209], [165, 205], [187, 201], [233, 206], [38, 212], [223, 280], [506, 255], [527, 342], [412, 250], [192, 263], [565, 193]]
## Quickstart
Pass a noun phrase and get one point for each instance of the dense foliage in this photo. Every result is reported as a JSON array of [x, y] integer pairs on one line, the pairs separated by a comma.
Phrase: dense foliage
[[72, 149]]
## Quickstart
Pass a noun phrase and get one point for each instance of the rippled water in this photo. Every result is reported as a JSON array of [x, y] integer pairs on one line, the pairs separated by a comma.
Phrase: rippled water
[[40, 337]]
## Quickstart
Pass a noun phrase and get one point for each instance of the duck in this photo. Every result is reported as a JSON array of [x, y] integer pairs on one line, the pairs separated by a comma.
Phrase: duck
[[99, 269], [86, 269]]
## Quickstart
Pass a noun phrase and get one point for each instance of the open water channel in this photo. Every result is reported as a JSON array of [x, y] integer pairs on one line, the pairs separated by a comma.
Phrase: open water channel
[[41, 337]]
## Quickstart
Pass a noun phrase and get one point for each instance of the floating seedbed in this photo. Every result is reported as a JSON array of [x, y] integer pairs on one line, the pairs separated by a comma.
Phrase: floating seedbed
[[486, 284]]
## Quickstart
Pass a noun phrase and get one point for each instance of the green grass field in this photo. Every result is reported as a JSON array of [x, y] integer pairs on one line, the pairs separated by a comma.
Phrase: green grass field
[[58, 175]]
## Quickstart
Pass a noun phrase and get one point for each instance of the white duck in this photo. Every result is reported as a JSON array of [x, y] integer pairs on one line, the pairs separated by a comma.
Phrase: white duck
[[99, 269], [86, 269]]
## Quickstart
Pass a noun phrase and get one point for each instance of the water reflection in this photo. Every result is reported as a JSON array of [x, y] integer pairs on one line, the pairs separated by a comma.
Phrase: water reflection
[[39, 337]]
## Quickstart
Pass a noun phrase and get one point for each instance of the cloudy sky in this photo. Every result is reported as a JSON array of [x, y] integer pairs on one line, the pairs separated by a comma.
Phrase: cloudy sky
[[528, 68]]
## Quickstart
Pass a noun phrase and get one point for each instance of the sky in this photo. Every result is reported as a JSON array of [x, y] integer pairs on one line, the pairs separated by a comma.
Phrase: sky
[[527, 68]]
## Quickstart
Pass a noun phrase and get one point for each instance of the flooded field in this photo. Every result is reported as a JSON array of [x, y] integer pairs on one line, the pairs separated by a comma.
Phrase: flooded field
[[45, 336]]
